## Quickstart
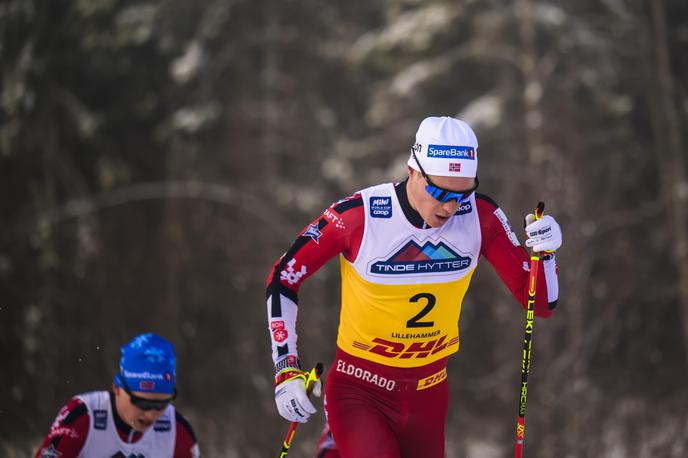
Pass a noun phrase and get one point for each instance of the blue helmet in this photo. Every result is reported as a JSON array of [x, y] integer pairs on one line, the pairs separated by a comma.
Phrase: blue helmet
[[148, 364]]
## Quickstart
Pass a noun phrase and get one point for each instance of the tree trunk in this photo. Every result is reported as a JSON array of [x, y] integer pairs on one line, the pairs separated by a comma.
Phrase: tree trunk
[[668, 143]]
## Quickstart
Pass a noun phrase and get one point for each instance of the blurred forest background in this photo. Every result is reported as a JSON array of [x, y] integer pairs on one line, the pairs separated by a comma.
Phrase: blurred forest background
[[156, 157]]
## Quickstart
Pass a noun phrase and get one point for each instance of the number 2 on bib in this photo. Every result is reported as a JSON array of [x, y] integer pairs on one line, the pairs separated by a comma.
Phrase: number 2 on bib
[[415, 321]]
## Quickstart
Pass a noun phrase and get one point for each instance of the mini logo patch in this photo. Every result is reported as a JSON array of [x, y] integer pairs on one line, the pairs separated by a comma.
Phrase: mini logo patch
[[100, 419], [381, 207]]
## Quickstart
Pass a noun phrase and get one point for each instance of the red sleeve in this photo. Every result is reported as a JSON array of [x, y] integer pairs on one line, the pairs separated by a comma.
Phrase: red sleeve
[[338, 230], [186, 445], [510, 260], [68, 432]]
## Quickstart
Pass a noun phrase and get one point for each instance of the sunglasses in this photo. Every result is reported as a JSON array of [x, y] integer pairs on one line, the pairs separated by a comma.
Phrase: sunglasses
[[147, 404], [441, 194]]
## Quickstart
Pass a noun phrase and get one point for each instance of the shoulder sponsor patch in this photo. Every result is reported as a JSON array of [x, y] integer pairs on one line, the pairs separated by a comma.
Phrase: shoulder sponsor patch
[[61, 416], [381, 207], [507, 226], [333, 218], [64, 431], [100, 419]]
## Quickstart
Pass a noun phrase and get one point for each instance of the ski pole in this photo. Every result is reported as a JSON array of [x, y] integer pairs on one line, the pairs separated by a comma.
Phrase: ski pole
[[313, 376], [527, 342]]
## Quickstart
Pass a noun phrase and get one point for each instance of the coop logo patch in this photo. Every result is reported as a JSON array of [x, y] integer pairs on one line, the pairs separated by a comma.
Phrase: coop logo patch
[[415, 259], [464, 208], [162, 425], [381, 207], [451, 152]]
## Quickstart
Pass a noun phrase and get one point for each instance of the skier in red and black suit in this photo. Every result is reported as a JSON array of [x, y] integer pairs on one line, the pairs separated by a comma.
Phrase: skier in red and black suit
[[408, 252], [136, 418]]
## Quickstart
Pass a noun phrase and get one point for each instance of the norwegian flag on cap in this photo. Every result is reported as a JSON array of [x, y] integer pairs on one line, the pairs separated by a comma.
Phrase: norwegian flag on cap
[[146, 385]]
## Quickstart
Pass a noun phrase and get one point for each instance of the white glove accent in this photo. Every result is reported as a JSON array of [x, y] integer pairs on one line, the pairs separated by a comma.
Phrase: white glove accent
[[292, 401], [551, 278], [317, 389], [543, 234]]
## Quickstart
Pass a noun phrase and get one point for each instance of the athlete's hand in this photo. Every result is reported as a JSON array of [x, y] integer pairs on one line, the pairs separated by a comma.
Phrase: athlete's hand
[[543, 234], [291, 396]]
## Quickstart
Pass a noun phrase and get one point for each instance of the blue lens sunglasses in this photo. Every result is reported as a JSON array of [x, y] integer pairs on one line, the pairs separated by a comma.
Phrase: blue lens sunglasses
[[441, 194]]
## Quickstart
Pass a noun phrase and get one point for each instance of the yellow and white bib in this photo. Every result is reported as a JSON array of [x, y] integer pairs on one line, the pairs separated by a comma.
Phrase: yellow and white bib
[[401, 297]]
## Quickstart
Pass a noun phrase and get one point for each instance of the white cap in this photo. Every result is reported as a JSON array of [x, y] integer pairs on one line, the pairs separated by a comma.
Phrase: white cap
[[446, 147]]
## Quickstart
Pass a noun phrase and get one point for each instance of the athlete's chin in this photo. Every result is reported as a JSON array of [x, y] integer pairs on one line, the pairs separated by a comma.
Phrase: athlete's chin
[[439, 221], [142, 425]]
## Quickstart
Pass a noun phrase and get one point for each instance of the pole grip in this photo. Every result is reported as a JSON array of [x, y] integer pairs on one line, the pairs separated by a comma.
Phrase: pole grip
[[539, 210], [313, 376]]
